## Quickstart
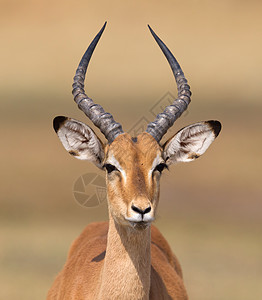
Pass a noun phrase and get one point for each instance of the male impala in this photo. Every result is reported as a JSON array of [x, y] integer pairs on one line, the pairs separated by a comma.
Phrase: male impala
[[127, 257]]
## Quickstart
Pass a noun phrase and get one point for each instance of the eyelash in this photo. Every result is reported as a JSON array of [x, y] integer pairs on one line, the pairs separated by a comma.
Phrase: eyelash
[[110, 168]]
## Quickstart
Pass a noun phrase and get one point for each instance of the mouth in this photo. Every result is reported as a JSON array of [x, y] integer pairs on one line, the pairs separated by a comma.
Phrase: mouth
[[142, 225]]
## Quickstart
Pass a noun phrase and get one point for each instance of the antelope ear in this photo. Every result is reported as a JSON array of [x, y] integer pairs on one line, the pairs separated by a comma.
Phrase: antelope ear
[[79, 140], [191, 142]]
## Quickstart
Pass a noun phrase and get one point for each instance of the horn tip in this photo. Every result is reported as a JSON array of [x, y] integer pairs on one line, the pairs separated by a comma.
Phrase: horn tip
[[151, 30]]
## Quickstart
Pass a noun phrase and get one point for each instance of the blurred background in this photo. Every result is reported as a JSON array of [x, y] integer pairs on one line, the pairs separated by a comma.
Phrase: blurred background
[[210, 210]]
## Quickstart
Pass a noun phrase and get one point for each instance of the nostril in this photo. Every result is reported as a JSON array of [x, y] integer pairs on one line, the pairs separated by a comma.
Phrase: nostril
[[141, 211], [147, 210], [136, 209]]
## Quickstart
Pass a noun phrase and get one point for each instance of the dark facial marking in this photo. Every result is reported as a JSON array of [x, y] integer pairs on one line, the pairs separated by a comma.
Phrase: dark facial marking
[[58, 121], [73, 152], [193, 156]]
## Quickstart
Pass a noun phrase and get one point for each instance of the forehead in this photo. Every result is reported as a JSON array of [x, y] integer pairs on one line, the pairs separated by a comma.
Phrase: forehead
[[144, 148]]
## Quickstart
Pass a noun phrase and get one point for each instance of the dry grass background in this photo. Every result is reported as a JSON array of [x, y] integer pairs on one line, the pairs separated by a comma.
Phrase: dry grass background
[[210, 210]]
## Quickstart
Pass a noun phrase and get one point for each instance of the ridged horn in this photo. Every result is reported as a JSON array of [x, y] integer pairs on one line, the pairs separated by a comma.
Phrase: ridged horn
[[95, 112], [166, 119]]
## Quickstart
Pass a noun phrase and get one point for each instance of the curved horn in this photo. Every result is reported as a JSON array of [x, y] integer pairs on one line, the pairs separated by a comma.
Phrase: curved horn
[[95, 112], [172, 112]]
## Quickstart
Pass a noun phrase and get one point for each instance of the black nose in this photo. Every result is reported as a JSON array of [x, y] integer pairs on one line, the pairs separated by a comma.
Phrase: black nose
[[141, 211]]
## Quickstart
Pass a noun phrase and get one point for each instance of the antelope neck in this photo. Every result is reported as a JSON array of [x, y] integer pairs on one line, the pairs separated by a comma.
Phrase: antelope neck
[[127, 265]]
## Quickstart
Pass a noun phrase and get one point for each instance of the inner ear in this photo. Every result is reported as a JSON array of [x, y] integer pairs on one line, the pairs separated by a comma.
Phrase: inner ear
[[79, 140], [191, 142]]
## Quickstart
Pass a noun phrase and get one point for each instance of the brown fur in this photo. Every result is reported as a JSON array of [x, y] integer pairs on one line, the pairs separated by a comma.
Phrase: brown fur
[[118, 260], [79, 278], [135, 159]]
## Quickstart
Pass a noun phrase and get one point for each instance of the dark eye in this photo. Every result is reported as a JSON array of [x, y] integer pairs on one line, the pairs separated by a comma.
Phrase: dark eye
[[160, 167], [110, 168]]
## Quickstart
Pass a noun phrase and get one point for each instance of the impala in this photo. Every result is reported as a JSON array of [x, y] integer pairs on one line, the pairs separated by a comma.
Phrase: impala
[[127, 257]]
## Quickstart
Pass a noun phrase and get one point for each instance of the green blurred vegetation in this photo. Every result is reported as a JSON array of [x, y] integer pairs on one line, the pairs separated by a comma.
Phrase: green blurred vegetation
[[210, 210]]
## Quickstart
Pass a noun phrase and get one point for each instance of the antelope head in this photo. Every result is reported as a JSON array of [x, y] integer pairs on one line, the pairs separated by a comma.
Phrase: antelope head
[[133, 165]]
